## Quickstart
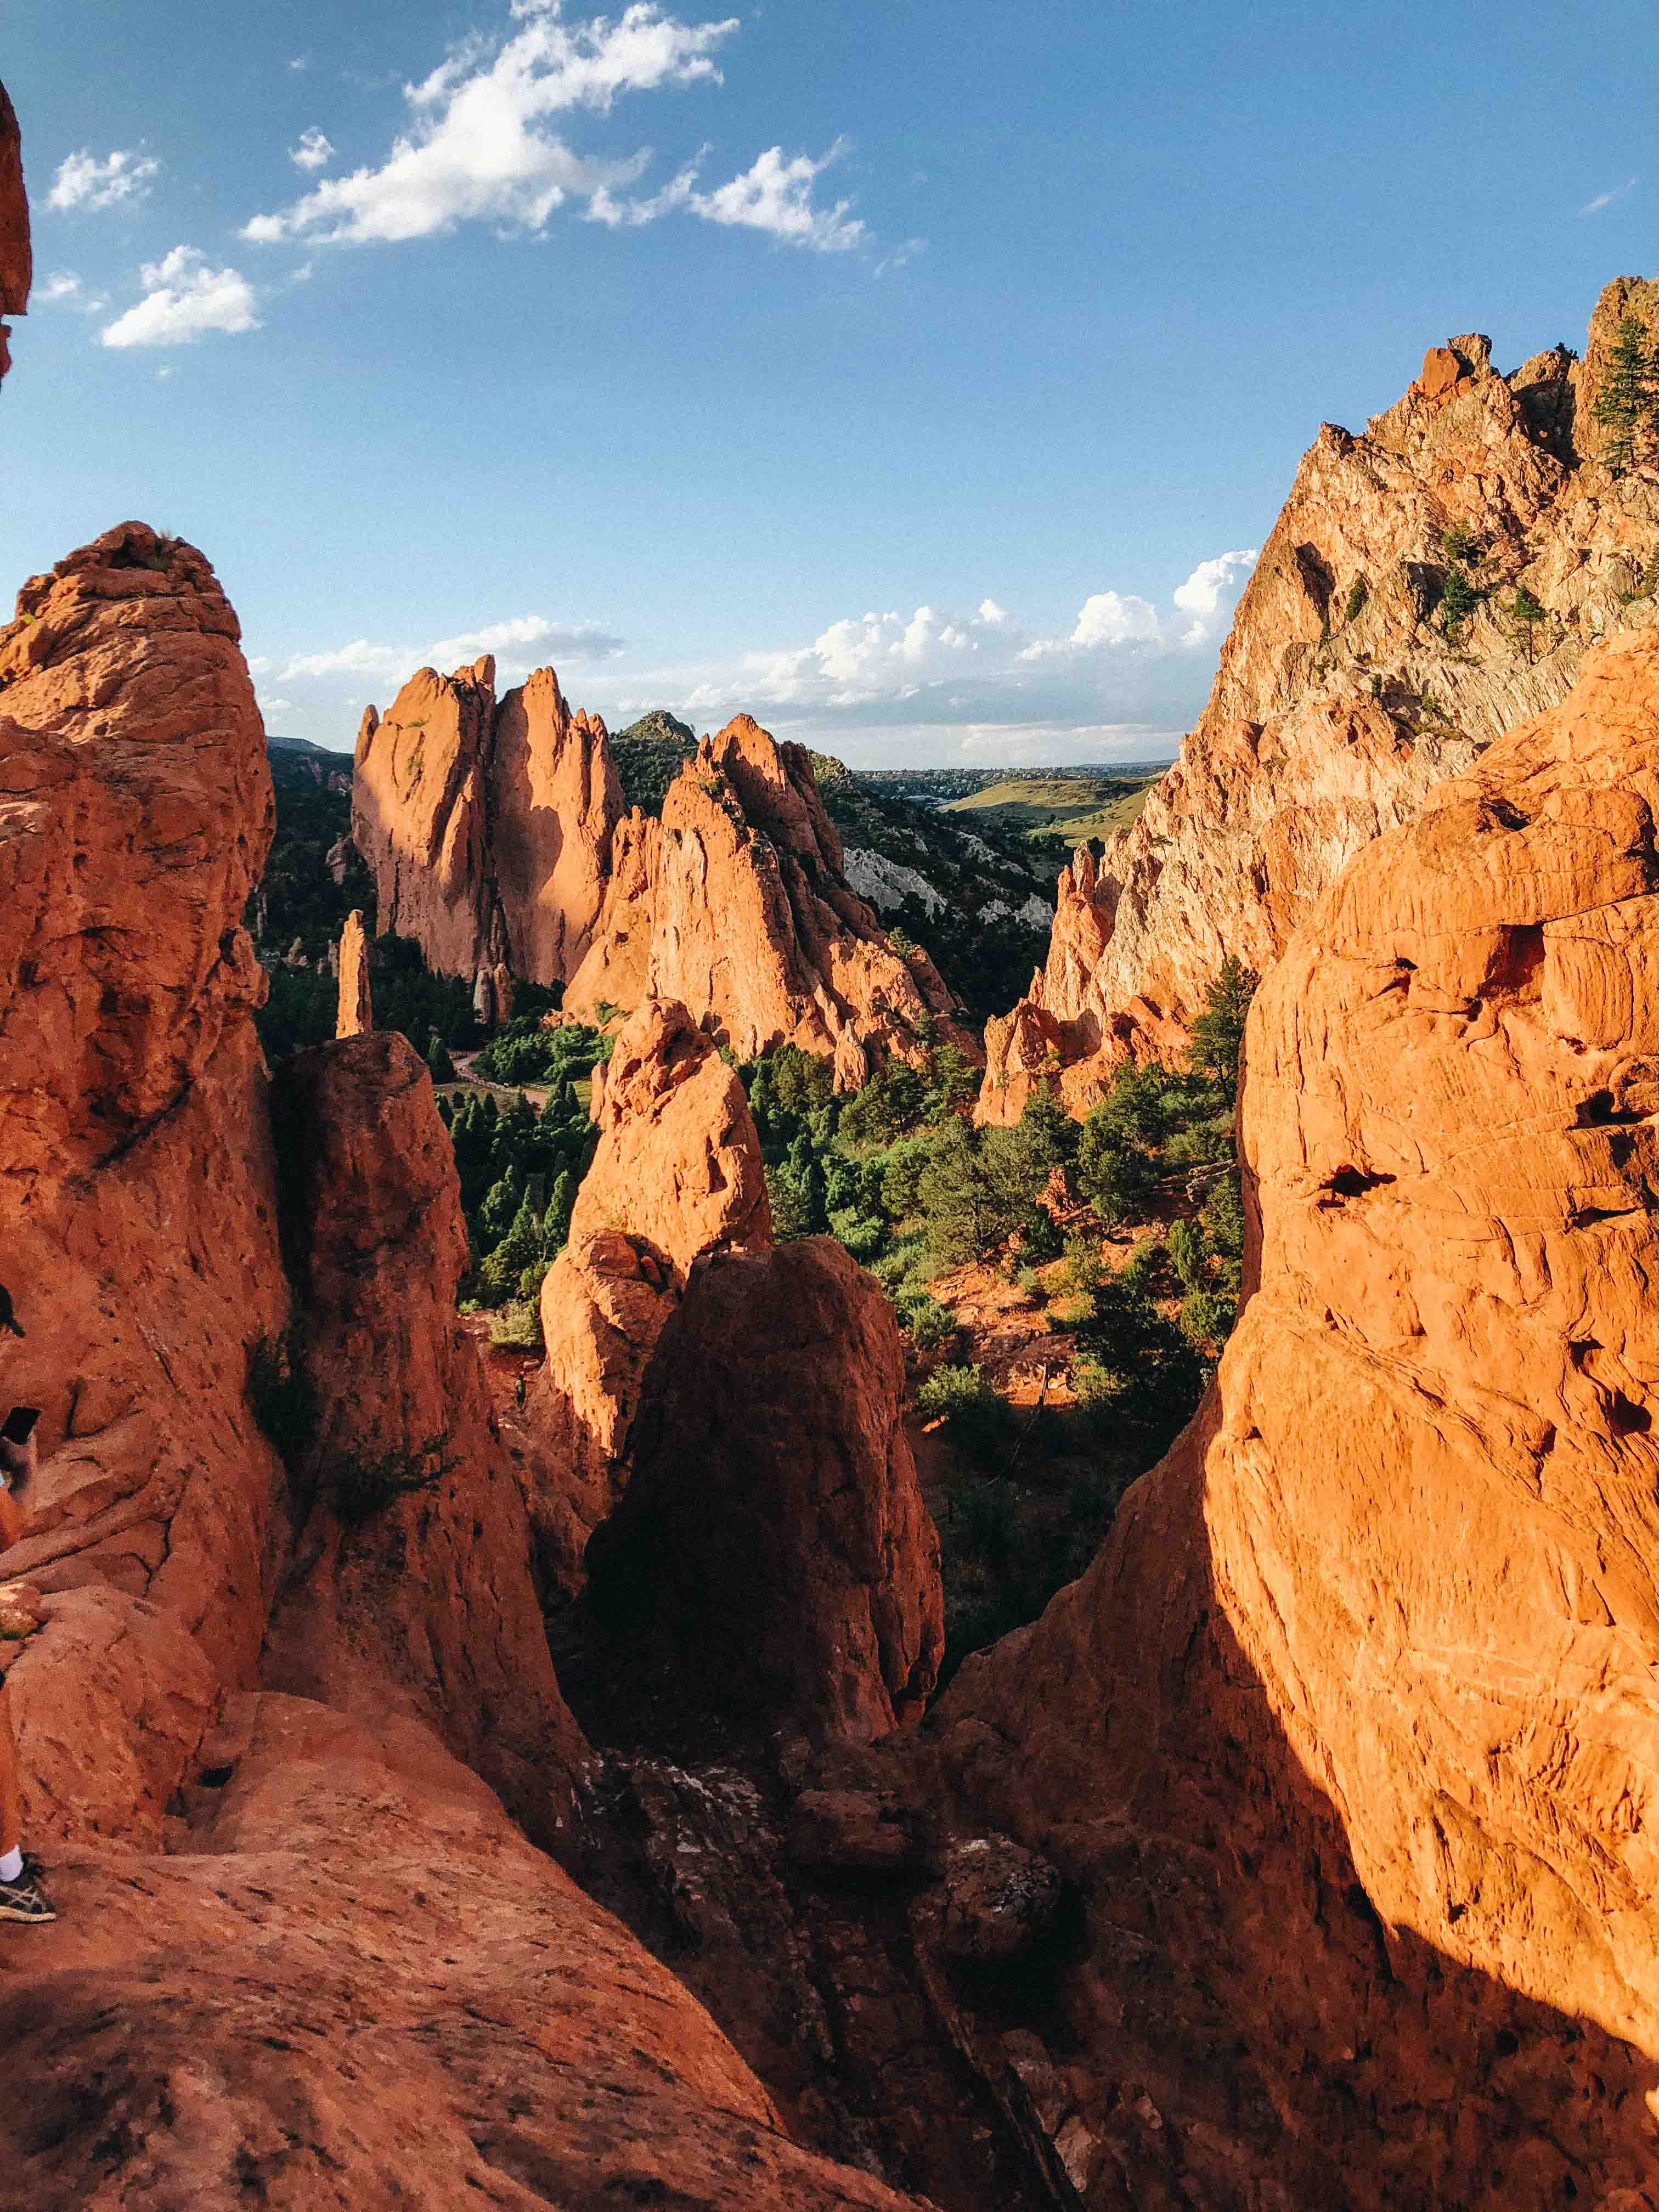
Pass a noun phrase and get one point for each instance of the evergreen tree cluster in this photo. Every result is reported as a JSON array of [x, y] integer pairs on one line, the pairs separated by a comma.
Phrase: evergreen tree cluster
[[519, 1170], [1626, 410]]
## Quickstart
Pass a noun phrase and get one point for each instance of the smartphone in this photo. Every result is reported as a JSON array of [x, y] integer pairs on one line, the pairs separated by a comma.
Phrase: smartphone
[[19, 1424]]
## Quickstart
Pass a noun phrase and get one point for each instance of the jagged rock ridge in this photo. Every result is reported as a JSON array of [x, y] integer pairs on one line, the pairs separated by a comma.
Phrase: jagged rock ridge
[[736, 904], [488, 824], [1340, 703]]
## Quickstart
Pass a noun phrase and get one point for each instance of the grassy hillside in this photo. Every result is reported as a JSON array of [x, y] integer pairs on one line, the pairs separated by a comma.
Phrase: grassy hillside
[[1065, 809]]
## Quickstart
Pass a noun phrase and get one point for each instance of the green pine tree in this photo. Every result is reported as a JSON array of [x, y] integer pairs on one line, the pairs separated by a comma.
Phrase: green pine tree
[[1458, 600], [1628, 401]]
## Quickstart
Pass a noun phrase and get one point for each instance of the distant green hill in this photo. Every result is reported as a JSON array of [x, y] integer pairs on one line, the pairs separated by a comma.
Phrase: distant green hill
[[1065, 810], [648, 754]]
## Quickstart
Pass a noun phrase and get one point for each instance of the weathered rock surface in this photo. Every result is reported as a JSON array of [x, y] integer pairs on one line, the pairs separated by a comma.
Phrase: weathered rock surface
[[678, 1172], [737, 904], [16, 263], [138, 1206], [355, 1984], [429, 1606], [1349, 1734], [773, 1522], [355, 1015], [1341, 703], [488, 825]]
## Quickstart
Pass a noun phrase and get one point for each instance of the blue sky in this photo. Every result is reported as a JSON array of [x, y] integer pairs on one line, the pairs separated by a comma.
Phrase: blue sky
[[920, 377]]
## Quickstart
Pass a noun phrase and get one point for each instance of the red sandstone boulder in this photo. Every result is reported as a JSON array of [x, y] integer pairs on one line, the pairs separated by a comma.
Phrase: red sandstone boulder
[[773, 1524], [425, 1604], [1350, 1733], [1340, 704]]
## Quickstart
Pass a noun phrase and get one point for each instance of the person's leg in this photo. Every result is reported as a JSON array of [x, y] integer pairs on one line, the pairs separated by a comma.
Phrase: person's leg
[[21, 1897], [11, 1795]]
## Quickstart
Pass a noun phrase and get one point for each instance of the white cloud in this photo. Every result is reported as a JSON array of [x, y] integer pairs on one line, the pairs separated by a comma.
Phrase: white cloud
[[185, 298], [1608, 199], [84, 182], [480, 148], [512, 642], [64, 289], [313, 151], [775, 196], [1125, 666]]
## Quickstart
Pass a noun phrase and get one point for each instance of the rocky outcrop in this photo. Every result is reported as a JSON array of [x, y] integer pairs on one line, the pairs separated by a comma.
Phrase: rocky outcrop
[[488, 825], [1348, 1737], [355, 1014], [737, 904], [1340, 703], [138, 1204], [353, 1983], [678, 1172], [421, 1603], [16, 263], [773, 1522]]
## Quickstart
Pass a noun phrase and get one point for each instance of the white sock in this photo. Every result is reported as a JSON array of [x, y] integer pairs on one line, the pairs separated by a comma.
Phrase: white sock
[[11, 1865]]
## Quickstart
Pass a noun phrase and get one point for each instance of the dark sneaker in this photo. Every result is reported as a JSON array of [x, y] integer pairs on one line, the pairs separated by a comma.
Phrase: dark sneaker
[[24, 1900]]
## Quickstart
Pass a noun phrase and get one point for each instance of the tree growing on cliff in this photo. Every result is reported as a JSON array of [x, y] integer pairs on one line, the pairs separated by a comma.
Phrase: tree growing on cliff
[[1628, 401], [1526, 614], [1459, 598], [1217, 1035]]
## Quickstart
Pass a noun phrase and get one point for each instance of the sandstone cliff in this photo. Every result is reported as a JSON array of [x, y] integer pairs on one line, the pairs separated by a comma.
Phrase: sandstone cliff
[[16, 265], [1340, 701], [355, 1016], [1349, 1736], [737, 904], [488, 825]]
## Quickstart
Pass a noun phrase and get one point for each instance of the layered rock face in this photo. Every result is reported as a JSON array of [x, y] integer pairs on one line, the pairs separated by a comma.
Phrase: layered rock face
[[16, 262], [488, 825], [773, 1523], [1349, 1735], [737, 904], [678, 1172], [1340, 703]]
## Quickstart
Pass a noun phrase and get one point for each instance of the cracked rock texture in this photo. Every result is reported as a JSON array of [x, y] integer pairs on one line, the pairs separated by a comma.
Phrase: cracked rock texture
[[773, 1522], [1340, 703], [1349, 1735]]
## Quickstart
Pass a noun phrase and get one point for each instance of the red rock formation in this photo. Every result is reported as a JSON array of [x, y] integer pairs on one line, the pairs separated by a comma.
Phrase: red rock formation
[[426, 1607], [678, 1172], [752, 924], [355, 1015], [488, 827], [137, 1213], [355, 1984], [16, 266], [1349, 1736], [173, 2035], [1340, 703], [773, 1522]]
